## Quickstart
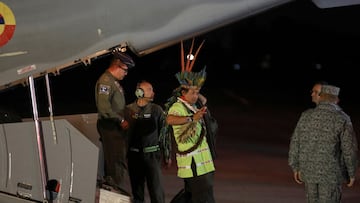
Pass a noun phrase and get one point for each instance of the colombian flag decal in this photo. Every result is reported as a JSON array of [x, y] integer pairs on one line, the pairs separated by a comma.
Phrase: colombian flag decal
[[7, 24]]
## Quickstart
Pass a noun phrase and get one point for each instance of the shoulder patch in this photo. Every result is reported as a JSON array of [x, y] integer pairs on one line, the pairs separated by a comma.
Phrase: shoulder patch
[[104, 89]]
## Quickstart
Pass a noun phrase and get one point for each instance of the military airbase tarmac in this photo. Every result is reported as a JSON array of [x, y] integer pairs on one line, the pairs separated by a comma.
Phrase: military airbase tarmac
[[251, 166]]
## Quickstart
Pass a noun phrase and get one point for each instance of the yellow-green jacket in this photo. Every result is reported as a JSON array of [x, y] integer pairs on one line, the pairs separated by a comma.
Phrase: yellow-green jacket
[[201, 155]]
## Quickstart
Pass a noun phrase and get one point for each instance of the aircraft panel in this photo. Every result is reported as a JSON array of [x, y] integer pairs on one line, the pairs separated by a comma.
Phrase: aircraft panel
[[52, 35], [21, 169], [71, 159]]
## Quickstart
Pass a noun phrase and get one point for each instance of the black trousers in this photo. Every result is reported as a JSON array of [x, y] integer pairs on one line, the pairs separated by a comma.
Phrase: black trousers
[[201, 188], [146, 167], [198, 189], [115, 147]]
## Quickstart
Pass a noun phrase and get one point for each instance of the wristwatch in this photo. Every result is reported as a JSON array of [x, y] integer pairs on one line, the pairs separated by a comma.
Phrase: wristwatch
[[189, 119]]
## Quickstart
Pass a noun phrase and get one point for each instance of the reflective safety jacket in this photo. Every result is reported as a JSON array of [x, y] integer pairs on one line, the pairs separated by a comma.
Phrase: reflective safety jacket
[[201, 155]]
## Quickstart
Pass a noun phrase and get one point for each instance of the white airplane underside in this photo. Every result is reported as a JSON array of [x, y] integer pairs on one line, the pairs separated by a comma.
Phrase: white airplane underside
[[48, 160], [50, 36]]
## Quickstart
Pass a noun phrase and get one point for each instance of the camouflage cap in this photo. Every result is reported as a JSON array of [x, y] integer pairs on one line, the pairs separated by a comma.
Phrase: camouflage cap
[[329, 89]]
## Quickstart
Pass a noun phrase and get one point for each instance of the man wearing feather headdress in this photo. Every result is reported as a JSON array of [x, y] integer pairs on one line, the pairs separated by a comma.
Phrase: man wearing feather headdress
[[193, 155]]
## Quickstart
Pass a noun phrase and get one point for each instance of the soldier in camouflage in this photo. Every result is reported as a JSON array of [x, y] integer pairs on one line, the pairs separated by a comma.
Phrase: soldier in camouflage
[[323, 149]]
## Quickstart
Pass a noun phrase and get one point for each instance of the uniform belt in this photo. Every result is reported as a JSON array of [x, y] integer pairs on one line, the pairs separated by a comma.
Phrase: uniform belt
[[146, 149]]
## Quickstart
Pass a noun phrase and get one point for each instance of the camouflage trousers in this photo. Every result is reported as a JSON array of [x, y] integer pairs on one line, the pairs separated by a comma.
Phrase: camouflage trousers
[[323, 193]]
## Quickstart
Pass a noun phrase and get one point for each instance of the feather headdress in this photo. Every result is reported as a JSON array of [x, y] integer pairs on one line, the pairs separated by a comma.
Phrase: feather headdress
[[186, 77]]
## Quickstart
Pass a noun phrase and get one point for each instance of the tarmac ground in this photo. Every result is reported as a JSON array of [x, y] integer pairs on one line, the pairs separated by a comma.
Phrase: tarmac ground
[[251, 165]]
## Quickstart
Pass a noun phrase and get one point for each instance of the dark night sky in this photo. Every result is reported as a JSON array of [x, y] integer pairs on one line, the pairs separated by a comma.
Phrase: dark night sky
[[273, 57]]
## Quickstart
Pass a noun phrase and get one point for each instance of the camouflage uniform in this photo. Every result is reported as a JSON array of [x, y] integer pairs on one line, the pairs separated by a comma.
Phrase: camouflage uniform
[[323, 149], [110, 102]]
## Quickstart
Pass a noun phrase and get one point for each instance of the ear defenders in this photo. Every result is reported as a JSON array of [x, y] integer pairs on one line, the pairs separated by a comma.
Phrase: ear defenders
[[139, 92]]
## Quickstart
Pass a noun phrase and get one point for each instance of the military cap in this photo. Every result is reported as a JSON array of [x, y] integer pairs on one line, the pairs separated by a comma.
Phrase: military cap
[[329, 89], [124, 58]]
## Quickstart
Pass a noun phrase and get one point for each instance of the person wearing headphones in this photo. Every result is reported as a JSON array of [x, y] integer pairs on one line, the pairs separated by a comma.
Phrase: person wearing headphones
[[145, 154]]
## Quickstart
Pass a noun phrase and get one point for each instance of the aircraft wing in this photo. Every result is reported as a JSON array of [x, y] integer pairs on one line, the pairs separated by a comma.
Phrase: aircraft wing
[[335, 3], [41, 36]]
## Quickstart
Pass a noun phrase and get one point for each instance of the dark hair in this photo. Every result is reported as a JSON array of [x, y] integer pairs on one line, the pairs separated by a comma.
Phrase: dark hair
[[184, 89], [321, 82]]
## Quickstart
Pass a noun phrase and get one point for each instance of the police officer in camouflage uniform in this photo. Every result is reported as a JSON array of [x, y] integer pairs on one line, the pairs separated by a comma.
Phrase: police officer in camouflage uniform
[[111, 125], [145, 154], [323, 149]]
